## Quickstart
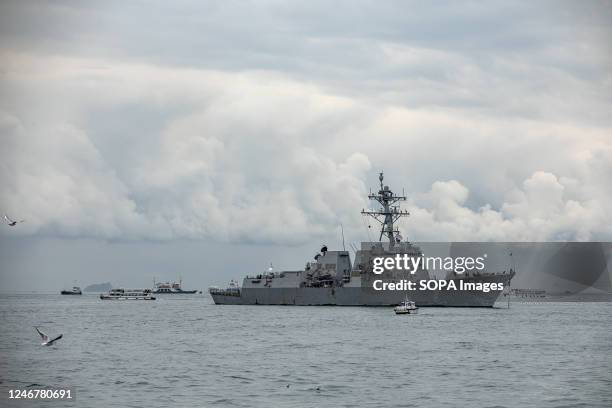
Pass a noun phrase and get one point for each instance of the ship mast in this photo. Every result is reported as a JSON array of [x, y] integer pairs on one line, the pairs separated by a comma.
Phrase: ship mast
[[389, 213]]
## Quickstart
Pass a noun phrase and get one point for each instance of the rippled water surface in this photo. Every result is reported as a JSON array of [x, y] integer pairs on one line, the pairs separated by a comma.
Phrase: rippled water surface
[[185, 351]]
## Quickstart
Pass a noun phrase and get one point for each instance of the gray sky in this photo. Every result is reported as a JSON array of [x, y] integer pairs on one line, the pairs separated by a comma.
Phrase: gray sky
[[209, 138]]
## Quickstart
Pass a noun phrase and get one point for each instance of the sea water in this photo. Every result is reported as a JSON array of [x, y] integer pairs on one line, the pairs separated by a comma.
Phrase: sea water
[[185, 351]]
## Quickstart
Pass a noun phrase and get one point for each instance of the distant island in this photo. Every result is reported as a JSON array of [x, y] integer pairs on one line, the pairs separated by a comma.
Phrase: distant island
[[99, 287]]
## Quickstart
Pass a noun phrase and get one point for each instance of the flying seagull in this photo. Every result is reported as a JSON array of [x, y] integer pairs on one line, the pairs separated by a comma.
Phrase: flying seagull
[[11, 222], [45, 338]]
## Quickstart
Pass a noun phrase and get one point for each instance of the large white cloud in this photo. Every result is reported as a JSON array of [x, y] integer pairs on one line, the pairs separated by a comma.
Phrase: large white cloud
[[261, 158], [207, 127], [539, 211], [236, 164]]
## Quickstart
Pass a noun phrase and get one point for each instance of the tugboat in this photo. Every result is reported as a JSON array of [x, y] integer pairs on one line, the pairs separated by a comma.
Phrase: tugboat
[[406, 307], [167, 288], [128, 294], [75, 291]]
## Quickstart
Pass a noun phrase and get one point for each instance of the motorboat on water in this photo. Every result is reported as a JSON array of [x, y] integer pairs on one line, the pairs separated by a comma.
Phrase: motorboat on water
[[75, 291], [406, 307], [128, 294]]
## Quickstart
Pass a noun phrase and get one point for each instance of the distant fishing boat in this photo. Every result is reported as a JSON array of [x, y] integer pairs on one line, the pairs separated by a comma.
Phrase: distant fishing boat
[[75, 291], [128, 294], [174, 288]]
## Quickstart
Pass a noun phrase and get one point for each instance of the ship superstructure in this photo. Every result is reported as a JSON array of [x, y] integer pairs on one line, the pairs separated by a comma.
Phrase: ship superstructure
[[331, 279]]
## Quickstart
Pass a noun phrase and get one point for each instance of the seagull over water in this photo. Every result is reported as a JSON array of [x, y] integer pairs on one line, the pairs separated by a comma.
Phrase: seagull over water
[[11, 222], [45, 338]]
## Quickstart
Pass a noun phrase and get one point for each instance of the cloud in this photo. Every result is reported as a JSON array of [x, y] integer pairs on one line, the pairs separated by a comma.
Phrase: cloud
[[235, 165], [269, 124], [539, 211], [55, 178]]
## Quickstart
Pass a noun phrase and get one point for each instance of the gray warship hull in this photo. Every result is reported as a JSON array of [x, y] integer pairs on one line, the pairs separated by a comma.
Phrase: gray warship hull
[[358, 296], [333, 281]]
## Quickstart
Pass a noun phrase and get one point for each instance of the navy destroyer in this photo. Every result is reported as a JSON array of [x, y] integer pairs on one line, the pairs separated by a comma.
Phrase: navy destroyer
[[333, 280]]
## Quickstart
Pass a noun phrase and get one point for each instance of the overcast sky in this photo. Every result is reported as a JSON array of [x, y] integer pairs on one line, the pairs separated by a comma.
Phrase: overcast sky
[[209, 138]]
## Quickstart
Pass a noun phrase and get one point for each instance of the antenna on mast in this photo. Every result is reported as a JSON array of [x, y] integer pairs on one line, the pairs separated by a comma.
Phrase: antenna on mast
[[342, 230], [389, 213]]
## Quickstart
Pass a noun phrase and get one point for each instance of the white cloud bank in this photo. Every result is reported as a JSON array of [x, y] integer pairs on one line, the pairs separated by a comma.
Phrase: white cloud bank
[[539, 211], [269, 122], [233, 165], [129, 151]]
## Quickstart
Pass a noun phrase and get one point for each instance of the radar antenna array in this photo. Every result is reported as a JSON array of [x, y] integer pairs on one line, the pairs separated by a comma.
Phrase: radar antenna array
[[389, 213]]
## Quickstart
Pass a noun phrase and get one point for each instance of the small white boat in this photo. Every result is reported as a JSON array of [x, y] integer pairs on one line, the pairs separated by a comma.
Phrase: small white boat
[[128, 294], [406, 307]]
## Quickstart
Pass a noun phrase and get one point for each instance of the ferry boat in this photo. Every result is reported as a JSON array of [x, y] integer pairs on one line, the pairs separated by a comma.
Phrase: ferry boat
[[406, 307], [128, 294], [75, 291], [174, 288]]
